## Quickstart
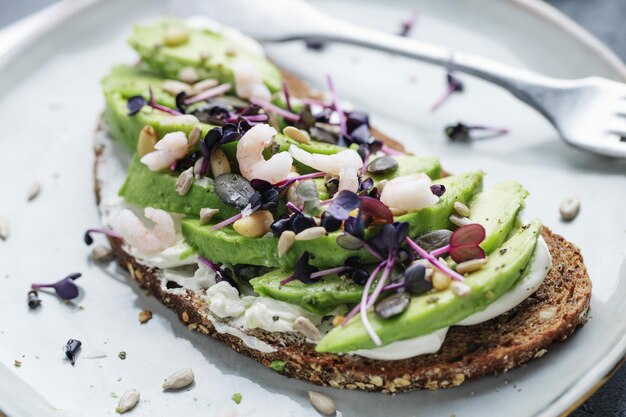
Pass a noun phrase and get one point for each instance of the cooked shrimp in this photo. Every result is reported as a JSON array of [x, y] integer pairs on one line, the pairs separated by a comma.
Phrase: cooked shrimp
[[411, 192], [249, 84], [168, 150], [345, 164], [253, 165], [137, 235]]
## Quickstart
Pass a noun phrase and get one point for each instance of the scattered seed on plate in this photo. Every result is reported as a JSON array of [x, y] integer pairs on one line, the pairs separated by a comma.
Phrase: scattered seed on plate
[[461, 209], [17, 363], [145, 316], [184, 182], [471, 265], [459, 221], [179, 379], [128, 401], [382, 165], [102, 254], [34, 190], [71, 350], [122, 355], [146, 141], [322, 403], [300, 136], [569, 208], [206, 214], [219, 163], [175, 36], [285, 242], [311, 233], [188, 75], [305, 327], [33, 299], [4, 228]]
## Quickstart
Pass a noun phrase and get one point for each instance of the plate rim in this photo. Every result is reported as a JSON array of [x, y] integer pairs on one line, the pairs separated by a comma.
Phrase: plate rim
[[27, 30]]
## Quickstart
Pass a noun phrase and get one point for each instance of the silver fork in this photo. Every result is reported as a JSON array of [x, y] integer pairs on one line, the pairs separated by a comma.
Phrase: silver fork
[[588, 113]]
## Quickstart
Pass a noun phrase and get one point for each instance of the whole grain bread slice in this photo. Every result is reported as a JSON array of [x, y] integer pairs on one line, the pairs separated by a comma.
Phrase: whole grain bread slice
[[551, 314]]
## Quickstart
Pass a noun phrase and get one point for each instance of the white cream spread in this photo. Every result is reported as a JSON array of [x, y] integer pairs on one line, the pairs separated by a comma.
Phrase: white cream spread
[[407, 348]]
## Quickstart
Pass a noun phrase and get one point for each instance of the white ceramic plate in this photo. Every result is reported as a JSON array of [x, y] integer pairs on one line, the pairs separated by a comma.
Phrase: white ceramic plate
[[50, 101]]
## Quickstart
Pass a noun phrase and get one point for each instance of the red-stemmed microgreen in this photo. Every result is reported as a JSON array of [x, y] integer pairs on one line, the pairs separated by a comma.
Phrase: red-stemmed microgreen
[[454, 85], [153, 103], [220, 274], [65, 288], [442, 266], [464, 244], [366, 288], [461, 132], [337, 105], [271, 108], [105, 231], [208, 94], [302, 271], [438, 189], [287, 97], [287, 182]]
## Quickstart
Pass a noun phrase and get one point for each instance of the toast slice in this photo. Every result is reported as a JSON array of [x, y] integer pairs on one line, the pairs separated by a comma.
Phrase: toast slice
[[551, 314]]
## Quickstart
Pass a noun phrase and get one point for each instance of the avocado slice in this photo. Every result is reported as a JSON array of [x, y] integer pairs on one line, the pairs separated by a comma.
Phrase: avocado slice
[[497, 209], [229, 247], [145, 188], [211, 54], [319, 297], [460, 187], [425, 315], [410, 164]]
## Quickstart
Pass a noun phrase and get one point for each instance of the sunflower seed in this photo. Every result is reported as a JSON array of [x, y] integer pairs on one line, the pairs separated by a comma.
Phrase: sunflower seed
[[183, 184], [322, 403], [470, 266], [381, 185], [461, 209], [206, 214], [300, 136], [175, 36], [175, 87], [305, 327], [311, 233], [179, 379], [460, 289], [188, 75], [285, 242], [34, 191], [128, 401], [197, 167], [194, 135], [147, 140], [145, 316], [4, 228], [459, 221], [219, 163], [101, 254], [203, 85], [569, 208]]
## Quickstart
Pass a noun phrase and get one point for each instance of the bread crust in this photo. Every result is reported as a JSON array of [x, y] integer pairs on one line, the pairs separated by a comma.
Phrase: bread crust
[[551, 314]]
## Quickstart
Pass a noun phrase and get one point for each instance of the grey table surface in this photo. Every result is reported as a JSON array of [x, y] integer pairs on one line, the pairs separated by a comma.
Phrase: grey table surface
[[605, 19]]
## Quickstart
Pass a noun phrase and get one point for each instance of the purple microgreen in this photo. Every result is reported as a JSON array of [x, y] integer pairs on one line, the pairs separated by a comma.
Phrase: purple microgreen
[[65, 288], [442, 266], [465, 241], [461, 132], [336, 105], [454, 85], [105, 231], [302, 271], [181, 106], [408, 24], [301, 222], [366, 184], [343, 203], [210, 93], [271, 108], [227, 222], [361, 135], [220, 274], [438, 189], [381, 282], [390, 151], [293, 208], [33, 299], [135, 104], [355, 226], [330, 223], [160, 107], [285, 183], [367, 286], [286, 93], [338, 270], [71, 349], [355, 119], [281, 225], [375, 208], [315, 44], [363, 311], [415, 280], [260, 185], [315, 102]]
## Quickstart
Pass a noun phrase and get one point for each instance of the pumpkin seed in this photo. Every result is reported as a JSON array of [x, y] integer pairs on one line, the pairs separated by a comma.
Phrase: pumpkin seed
[[311, 233], [206, 214], [300, 136], [147, 140], [322, 403], [285, 242], [219, 163], [184, 182], [34, 191], [305, 327], [175, 87], [128, 401], [461, 209], [179, 379], [570, 207], [392, 305], [4, 228], [434, 240], [255, 225], [459, 221], [471, 265], [382, 165], [188, 75], [234, 190], [175, 36]]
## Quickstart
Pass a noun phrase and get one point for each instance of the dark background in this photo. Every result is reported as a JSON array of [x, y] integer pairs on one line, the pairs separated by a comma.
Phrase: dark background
[[604, 18]]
